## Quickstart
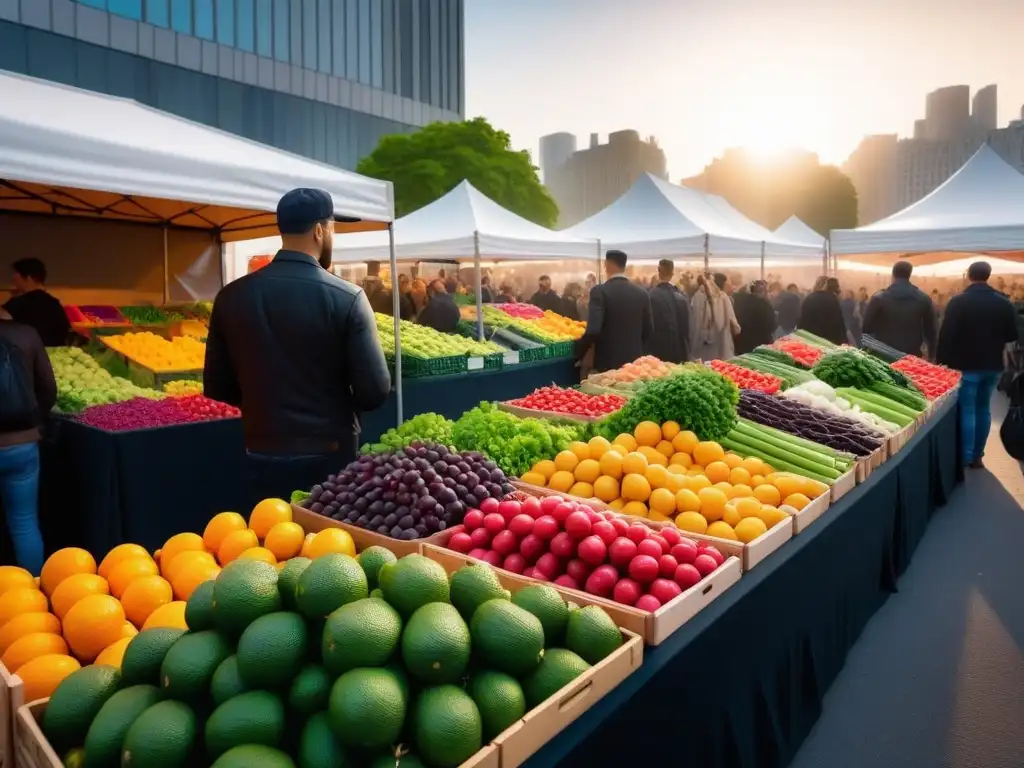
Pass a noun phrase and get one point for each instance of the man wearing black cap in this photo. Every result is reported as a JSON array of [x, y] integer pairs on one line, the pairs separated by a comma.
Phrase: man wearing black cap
[[296, 348], [620, 320]]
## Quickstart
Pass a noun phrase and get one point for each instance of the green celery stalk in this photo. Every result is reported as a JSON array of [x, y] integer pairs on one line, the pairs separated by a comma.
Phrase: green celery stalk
[[776, 463], [781, 455], [886, 402], [881, 411], [757, 436], [800, 441]]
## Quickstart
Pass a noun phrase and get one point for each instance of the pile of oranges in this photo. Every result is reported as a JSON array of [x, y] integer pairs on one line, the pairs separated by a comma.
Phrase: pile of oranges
[[665, 474], [78, 612], [560, 324], [182, 353]]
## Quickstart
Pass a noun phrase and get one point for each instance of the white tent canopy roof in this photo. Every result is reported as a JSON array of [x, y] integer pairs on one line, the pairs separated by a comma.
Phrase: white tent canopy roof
[[455, 225], [979, 209], [794, 230], [74, 152], [656, 219]]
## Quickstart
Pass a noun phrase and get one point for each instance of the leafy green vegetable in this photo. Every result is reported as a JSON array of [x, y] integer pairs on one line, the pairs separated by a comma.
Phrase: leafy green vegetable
[[426, 427], [299, 496], [697, 398], [850, 368], [514, 444]]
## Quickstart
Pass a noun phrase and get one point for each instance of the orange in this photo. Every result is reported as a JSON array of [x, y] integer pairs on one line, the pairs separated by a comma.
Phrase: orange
[[606, 489], [658, 517], [722, 530], [331, 540], [187, 560], [235, 544], [665, 449], [627, 441], [712, 503], [63, 563], [634, 463], [305, 544], [674, 482], [582, 490], [717, 472], [691, 522], [812, 489], [697, 470], [566, 461], [739, 476], [635, 508], [43, 674], [748, 506], [93, 623], [756, 480], [12, 576], [725, 488], [581, 449], [616, 504], [767, 494], [545, 467], [663, 501], [742, 491], [647, 433], [731, 516], [113, 653], [669, 430], [771, 516], [561, 481], [682, 459], [27, 624], [19, 600], [128, 630], [733, 460], [787, 484], [262, 554], [180, 542], [30, 647], [599, 446], [74, 588], [129, 570], [285, 540], [635, 488], [187, 579], [697, 482], [117, 554], [796, 500], [656, 475], [145, 595], [707, 452], [753, 465], [171, 615], [219, 527], [684, 442], [533, 478], [619, 448], [687, 501], [587, 471], [611, 464], [267, 514], [749, 528], [652, 456]]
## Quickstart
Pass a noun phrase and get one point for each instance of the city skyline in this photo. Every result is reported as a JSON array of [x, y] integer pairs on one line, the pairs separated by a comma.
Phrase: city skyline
[[830, 76]]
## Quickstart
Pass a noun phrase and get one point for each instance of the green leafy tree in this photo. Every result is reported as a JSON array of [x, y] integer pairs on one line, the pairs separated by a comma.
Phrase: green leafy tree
[[429, 163]]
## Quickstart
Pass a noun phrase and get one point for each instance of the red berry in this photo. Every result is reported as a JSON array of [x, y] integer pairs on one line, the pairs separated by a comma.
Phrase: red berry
[[643, 568], [532, 547], [473, 519], [626, 592], [562, 545], [565, 580], [488, 505], [713, 552], [648, 603], [686, 576], [492, 558], [578, 569], [621, 526], [561, 511], [548, 504], [545, 527], [515, 563], [477, 553], [505, 543], [666, 565], [621, 551], [549, 564], [665, 589], [605, 530], [521, 525], [592, 550], [578, 525], [509, 509], [481, 537], [494, 522], [685, 551], [662, 542], [460, 542], [705, 564], [532, 507], [671, 535], [638, 532], [649, 547], [602, 581]]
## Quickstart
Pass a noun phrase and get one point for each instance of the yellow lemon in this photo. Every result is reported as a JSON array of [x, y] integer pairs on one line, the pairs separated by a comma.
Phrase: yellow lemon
[[611, 464], [634, 463], [582, 450], [647, 433], [545, 467], [598, 447], [566, 461], [691, 522], [561, 481], [687, 501], [722, 530], [587, 471], [626, 440], [749, 528], [635, 508], [606, 489], [636, 488]]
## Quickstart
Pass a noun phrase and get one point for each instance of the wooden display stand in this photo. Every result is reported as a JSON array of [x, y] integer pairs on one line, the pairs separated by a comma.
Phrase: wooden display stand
[[12, 696]]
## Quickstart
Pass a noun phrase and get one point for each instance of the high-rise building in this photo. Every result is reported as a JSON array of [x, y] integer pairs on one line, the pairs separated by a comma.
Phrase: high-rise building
[[947, 112], [555, 151], [872, 169], [593, 178], [985, 109], [321, 78]]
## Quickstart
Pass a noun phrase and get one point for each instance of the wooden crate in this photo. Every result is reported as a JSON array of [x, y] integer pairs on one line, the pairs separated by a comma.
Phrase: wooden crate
[[311, 522], [843, 485], [802, 518], [541, 492], [753, 553], [12, 696], [31, 749]]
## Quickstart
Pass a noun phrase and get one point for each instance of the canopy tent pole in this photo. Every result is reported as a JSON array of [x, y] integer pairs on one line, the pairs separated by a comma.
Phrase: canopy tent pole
[[599, 261], [707, 252], [762, 259], [824, 258], [167, 271], [479, 287], [396, 312]]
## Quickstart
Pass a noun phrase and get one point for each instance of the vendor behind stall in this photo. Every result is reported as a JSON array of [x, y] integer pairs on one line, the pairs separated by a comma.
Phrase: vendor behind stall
[[296, 348], [441, 312], [32, 305]]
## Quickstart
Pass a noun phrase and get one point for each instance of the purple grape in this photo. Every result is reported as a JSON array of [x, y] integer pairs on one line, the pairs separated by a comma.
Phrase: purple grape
[[421, 530], [442, 450], [403, 499], [463, 467], [430, 522], [461, 491], [362, 520], [316, 507], [471, 501], [360, 504], [383, 529], [490, 465], [453, 471], [409, 534], [421, 464], [462, 479], [429, 476], [391, 520], [480, 492], [406, 522], [506, 488], [446, 496], [443, 525], [388, 497], [449, 482], [440, 467], [396, 532], [432, 456], [472, 479], [389, 507], [497, 476], [376, 521], [326, 497]]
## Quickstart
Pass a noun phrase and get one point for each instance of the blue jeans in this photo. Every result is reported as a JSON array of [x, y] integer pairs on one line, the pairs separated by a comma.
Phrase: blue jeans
[[976, 390], [19, 491]]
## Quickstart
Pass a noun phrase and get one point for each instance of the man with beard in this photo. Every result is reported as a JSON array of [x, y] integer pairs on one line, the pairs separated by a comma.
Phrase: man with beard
[[296, 348]]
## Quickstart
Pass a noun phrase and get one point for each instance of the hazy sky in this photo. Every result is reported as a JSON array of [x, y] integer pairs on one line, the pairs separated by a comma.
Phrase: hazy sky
[[703, 75]]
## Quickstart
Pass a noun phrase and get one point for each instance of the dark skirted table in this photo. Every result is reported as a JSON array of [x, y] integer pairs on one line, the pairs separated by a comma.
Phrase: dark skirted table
[[741, 685]]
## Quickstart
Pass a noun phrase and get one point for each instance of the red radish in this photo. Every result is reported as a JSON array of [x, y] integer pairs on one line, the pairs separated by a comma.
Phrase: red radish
[[488, 505], [492, 558], [532, 547], [578, 569], [626, 592], [621, 551], [532, 507], [565, 580], [671, 535], [515, 563], [686, 576], [529, 572], [666, 565], [649, 547], [477, 553], [685, 551], [713, 552], [592, 550], [665, 590], [705, 564], [638, 532], [662, 542], [561, 512], [643, 568], [533, 573], [521, 525], [474, 519], [594, 515], [602, 581], [481, 537], [608, 515], [505, 543], [545, 527], [578, 525], [494, 522], [549, 503], [648, 603], [549, 564], [621, 526], [605, 530], [563, 545], [509, 509], [460, 542]]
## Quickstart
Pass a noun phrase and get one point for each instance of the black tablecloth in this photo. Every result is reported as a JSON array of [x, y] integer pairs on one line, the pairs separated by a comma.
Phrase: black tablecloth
[[741, 685]]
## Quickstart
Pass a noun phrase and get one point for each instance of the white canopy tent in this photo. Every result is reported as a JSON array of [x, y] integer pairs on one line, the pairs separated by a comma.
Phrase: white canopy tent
[[979, 209]]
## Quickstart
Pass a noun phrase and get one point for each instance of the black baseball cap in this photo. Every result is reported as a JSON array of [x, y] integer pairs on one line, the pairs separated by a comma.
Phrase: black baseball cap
[[301, 208]]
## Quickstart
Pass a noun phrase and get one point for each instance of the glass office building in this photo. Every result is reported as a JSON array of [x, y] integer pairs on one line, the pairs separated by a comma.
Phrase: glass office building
[[322, 78]]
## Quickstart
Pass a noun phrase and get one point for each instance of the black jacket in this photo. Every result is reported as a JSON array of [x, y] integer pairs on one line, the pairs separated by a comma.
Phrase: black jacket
[[901, 316], [619, 324], [296, 348], [569, 308], [670, 313], [821, 315], [35, 365], [44, 312], [441, 313], [548, 301], [756, 317], [787, 305], [978, 324]]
